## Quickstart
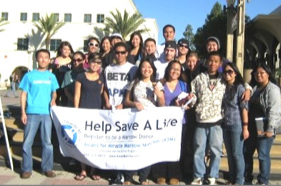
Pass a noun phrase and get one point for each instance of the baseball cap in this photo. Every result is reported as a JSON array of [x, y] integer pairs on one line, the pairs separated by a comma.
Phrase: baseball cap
[[171, 44], [116, 35], [213, 38]]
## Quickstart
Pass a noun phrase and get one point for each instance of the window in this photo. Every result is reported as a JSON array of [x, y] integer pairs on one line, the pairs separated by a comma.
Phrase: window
[[55, 43], [67, 17], [57, 17], [87, 18], [5, 16], [23, 16], [100, 18], [85, 46], [22, 44], [35, 17]]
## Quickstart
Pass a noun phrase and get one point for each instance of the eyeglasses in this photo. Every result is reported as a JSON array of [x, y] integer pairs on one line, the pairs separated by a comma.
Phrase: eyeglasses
[[120, 52], [228, 72], [94, 61], [93, 44], [181, 45], [78, 60]]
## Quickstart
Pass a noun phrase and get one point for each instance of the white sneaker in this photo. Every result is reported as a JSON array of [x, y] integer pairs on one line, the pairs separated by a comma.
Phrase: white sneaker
[[212, 181], [197, 181]]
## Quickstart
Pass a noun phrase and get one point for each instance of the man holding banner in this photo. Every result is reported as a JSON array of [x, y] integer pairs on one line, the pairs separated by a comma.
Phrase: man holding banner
[[118, 76]]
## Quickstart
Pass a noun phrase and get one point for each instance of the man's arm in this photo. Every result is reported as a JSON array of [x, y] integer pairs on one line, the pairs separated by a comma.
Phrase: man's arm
[[23, 105], [54, 97]]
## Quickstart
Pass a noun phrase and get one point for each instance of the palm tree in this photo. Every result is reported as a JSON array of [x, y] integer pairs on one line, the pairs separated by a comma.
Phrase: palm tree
[[48, 25], [125, 24], [2, 23]]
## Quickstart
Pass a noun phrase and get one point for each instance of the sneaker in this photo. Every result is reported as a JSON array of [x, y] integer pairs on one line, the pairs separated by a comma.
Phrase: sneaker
[[212, 181], [25, 175], [197, 181], [119, 179], [259, 183]]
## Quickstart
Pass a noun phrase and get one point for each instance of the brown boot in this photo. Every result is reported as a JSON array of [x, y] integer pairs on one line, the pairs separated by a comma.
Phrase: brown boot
[[25, 175]]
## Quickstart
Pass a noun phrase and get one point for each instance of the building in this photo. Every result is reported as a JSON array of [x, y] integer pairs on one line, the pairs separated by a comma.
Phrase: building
[[21, 38]]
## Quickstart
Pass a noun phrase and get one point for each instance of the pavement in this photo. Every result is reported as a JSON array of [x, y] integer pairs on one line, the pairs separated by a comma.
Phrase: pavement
[[64, 176]]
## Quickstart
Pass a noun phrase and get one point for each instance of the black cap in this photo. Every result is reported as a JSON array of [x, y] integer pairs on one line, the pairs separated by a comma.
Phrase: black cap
[[183, 41], [171, 44]]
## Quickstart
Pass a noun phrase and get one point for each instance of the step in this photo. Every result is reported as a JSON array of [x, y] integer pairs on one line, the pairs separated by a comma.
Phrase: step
[[275, 165], [14, 124]]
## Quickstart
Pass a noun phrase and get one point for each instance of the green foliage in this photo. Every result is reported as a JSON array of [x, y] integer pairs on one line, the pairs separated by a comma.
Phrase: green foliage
[[49, 26], [2, 23], [215, 25], [189, 36], [125, 25]]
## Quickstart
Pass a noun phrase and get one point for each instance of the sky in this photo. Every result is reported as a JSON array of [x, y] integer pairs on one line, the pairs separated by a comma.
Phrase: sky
[[179, 13]]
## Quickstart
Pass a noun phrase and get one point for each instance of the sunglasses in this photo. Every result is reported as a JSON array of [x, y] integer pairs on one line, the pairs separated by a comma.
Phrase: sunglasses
[[181, 45], [78, 60], [228, 72], [93, 44], [120, 52], [94, 61]]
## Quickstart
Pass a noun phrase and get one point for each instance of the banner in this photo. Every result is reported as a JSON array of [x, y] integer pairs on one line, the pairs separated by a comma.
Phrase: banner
[[124, 139]]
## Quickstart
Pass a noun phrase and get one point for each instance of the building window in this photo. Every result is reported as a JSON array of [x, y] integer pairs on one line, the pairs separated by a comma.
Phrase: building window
[[22, 44], [35, 17], [23, 16], [57, 17], [100, 18], [85, 46], [54, 44], [67, 17], [87, 18], [5, 16]]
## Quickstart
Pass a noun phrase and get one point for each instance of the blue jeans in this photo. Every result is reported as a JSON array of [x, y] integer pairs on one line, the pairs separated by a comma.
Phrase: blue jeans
[[212, 136], [234, 141], [263, 146], [13, 88], [31, 128]]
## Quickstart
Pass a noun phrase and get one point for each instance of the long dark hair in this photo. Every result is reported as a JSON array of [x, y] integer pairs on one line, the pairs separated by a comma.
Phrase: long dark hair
[[62, 44], [268, 71], [238, 79], [141, 42], [138, 76], [103, 39], [169, 67]]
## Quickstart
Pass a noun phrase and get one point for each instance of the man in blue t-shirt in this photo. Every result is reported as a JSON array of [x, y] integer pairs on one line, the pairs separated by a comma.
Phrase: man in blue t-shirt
[[38, 94]]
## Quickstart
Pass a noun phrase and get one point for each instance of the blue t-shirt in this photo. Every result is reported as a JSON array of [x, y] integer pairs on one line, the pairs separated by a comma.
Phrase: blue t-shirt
[[39, 86]]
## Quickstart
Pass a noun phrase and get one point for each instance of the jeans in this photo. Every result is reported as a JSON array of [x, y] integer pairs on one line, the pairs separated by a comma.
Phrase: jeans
[[13, 88], [234, 141], [263, 146], [30, 130], [214, 137]]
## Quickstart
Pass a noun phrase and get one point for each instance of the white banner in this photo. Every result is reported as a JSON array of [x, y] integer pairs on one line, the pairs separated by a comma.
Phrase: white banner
[[124, 139]]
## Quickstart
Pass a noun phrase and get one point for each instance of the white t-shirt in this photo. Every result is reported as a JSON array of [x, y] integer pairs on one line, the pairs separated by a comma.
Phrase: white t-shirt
[[117, 78], [160, 68], [144, 93]]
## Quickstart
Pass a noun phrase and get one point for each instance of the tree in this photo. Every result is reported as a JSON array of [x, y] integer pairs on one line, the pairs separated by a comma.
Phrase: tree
[[2, 23], [215, 25], [125, 25], [100, 32], [189, 36], [49, 26]]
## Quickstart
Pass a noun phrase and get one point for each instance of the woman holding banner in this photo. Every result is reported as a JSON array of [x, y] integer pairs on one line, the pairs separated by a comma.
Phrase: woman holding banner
[[173, 87], [143, 93], [89, 87]]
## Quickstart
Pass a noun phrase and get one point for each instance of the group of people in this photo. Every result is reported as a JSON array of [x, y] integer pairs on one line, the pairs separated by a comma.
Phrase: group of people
[[115, 74]]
